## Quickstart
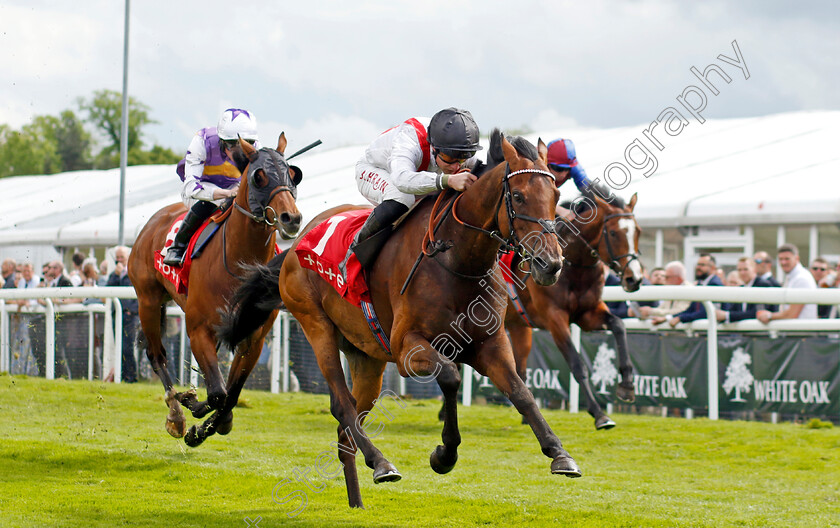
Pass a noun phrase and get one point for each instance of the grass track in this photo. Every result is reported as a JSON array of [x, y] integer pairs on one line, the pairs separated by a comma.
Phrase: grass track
[[95, 454]]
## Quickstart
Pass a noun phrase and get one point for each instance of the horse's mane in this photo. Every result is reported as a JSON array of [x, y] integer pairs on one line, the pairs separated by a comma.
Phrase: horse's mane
[[496, 156], [584, 205]]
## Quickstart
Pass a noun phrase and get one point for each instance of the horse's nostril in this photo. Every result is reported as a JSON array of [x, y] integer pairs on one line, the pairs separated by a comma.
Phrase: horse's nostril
[[285, 218]]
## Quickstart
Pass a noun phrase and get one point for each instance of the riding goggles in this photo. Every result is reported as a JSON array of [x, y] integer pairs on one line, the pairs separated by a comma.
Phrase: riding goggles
[[453, 156]]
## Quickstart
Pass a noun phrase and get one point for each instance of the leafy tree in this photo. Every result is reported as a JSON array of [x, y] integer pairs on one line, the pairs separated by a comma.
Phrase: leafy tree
[[104, 111], [31, 150], [73, 142]]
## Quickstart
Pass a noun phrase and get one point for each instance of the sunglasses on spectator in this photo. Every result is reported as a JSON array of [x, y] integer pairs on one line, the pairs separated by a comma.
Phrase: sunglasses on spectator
[[759, 261], [451, 157], [817, 268]]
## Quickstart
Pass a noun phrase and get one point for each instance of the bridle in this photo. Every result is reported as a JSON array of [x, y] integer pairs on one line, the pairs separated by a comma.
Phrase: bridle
[[264, 208], [432, 247], [613, 263]]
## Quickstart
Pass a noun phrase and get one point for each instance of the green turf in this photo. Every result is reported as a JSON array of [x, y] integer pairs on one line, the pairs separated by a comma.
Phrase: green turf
[[96, 454]]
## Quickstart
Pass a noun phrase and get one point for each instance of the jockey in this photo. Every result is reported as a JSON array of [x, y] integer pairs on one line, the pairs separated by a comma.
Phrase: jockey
[[210, 172], [563, 163], [415, 158]]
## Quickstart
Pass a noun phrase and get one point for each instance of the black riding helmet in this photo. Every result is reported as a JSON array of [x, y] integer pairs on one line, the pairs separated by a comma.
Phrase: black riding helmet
[[453, 132]]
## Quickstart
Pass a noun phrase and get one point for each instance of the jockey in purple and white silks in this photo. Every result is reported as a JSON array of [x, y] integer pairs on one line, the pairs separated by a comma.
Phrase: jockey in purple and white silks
[[415, 158], [211, 171]]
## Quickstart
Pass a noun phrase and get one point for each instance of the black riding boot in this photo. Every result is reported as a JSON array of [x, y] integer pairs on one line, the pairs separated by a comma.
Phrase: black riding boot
[[382, 217], [195, 217]]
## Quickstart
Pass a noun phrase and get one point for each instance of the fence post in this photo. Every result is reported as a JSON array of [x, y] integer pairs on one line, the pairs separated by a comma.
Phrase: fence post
[[90, 345], [466, 384], [5, 357], [287, 324], [183, 346], [118, 332], [275, 354], [574, 388], [712, 358], [50, 340]]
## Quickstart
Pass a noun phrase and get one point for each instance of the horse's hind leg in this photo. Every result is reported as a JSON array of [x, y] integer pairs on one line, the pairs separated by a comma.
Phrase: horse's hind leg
[[626, 391], [495, 360], [423, 358], [152, 313], [321, 334]]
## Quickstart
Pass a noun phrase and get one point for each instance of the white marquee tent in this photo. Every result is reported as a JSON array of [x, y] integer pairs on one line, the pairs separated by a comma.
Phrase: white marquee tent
[[776, 169]]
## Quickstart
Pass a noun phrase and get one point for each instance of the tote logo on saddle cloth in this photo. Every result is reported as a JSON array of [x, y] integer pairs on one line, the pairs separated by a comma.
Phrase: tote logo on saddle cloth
[[323, 249]]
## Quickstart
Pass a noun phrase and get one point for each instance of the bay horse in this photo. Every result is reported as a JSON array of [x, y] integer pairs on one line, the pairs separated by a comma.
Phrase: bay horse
[[456, 292], [601, 233], [264, 204]]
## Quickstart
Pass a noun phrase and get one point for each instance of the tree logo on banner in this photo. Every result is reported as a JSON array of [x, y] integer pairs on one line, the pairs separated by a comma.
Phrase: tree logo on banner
[[603, 371], [738, 375]]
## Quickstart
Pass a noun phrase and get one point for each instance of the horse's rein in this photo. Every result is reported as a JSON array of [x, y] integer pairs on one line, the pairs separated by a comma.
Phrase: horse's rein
[[613, 263]]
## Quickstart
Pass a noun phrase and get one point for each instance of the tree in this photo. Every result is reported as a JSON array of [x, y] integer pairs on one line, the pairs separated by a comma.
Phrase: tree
[[73, 142], [104, 111], [738, 375], [31, 150], [603, 370]]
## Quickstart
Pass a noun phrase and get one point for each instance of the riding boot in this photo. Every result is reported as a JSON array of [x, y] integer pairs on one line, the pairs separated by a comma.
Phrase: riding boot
[[382, 216], [195, 217]]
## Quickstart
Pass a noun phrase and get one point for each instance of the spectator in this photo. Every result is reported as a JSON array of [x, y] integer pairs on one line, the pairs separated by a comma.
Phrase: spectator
[[733, 279], [617, 308], [103, 274], [674, 276], [76, 275], [28, 280], [764, 268], [732, 312], [824, 277], [27, 326], [705, 273], [55, 278], [129, 315], [90, 279], [657, 276], [721, 275], [796, 277], [45, 272], [7, 270]]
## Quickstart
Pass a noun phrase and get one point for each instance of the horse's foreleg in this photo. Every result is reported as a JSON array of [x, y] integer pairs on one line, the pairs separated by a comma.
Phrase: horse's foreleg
[[560, 331], [625, 390], [151, 313], [495, 360], [203, 345]]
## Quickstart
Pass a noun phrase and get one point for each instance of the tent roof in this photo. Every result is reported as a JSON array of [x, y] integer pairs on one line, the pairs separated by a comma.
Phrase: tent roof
[[769, 169]]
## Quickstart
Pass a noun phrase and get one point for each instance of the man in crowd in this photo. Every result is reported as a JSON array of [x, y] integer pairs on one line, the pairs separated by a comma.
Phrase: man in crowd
[[129, 315], [764, 268], [7, 270], [796, 277], [674, 276], [705, 274], [824, 277], [732, 312], [657, 276]]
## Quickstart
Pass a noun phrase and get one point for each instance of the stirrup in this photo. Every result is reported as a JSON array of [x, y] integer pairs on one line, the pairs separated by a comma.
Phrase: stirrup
[[173, 258]]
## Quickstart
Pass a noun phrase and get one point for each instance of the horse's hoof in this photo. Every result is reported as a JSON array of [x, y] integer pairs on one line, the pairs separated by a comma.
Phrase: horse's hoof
[[224, 428], [192, 439], [176, 428], [604, 422], [626, 394], [565, 465], [387, 473], [437, 465]]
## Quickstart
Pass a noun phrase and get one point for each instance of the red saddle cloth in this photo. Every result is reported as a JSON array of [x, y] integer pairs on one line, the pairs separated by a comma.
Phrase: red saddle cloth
[[179, 276], [323, 249]]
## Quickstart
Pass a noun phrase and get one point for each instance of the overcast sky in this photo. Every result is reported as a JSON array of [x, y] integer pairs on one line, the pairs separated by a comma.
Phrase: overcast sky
[[343, 71]]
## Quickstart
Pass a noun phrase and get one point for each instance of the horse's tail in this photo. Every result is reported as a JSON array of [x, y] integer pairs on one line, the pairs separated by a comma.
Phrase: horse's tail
[[252, 303]]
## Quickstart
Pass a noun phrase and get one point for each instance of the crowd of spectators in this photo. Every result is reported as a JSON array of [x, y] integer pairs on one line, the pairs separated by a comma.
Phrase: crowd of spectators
[[751, 272], [85, 272]]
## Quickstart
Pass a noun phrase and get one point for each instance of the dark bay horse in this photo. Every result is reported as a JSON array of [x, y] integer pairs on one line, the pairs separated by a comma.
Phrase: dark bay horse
[[451, 311], [601, 233], [264, 204]]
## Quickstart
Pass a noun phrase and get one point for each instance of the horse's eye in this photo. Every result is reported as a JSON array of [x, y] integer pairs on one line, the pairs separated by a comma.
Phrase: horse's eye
[[518, 198], [612, 233]]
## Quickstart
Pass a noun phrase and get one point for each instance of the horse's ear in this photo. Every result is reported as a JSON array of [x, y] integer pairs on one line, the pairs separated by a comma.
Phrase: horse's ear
[[296, 174], [248, 149], [509, 150], [542, 150], [281, 143], [632, 203]]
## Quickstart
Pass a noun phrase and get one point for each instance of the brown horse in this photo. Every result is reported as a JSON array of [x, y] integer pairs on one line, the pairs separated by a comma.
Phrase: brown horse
[[265, 203], [451, 294], [601, 233]]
